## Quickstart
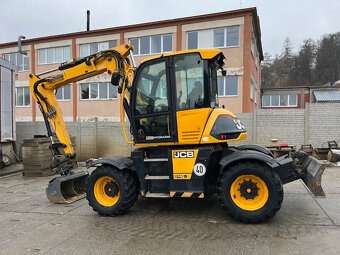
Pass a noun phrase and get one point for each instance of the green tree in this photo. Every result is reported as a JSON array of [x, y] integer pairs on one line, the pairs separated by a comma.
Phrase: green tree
[[328, 59], [267, 76], [304, 62]]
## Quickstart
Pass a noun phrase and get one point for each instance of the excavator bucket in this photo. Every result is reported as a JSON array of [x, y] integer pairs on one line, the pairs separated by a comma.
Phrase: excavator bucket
[[312, 170], [67, 189]]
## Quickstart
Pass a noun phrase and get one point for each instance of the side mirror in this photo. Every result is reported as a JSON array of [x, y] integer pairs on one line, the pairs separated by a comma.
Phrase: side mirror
[[224, 72]]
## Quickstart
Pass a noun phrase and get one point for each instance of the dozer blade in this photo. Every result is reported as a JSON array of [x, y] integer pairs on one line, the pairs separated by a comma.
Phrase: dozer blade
[[67, 189], [311, 171]]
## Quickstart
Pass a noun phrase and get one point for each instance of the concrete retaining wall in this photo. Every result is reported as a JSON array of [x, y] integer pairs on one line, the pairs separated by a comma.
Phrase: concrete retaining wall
[[316, 124], [93, 139]]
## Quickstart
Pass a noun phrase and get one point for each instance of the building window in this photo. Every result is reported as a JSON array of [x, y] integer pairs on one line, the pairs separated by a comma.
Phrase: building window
[[91, 48], [54, 55], [98, 91], [22, 96], [64, 93], [232, 38], [18, 59], [214, 38], [252, 88], [228, 86], [152, 44], [192, 40], [219, 37], [279, 100]]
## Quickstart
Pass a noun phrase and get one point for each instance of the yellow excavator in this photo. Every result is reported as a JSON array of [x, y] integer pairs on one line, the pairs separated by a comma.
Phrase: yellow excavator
[[181, 134]]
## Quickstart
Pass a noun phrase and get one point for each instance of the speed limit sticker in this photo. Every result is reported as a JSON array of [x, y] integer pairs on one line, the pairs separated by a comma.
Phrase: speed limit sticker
[[199, 169]]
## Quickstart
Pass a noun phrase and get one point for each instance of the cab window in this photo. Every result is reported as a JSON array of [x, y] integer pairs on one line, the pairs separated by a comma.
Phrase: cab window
[[152, 90], [151, 110], [189, 73]]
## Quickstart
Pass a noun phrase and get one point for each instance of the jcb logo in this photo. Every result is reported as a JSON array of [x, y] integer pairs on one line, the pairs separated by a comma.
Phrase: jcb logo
[[184, 154]]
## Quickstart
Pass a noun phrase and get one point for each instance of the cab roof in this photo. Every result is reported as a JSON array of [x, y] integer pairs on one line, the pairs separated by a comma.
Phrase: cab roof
[[205, 54]]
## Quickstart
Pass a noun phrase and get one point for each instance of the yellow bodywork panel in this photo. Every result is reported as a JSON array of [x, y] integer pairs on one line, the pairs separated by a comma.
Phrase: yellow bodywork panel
[[183, 162], [190, 125]]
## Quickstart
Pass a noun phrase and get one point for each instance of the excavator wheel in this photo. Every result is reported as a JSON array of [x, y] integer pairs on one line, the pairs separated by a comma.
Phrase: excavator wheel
[[111, 191], [250, 192]]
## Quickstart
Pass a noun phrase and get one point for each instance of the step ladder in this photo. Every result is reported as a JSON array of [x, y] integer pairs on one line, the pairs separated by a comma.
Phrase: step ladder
[[150, 178]]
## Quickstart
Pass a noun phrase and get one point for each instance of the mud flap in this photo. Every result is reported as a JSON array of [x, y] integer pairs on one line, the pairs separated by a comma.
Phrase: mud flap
[[67, 189]]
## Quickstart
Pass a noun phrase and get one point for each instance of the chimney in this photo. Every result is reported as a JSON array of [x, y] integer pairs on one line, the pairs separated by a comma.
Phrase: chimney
[[88, 20]]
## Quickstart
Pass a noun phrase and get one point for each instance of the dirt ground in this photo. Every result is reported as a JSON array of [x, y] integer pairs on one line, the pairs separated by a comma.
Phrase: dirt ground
[[31, 225]]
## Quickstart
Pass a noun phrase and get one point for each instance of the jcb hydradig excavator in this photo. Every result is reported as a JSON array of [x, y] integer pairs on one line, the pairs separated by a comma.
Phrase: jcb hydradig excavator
[[172, 104]]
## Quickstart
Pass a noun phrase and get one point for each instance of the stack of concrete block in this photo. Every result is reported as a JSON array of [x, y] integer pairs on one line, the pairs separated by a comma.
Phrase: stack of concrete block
[[37, 156]]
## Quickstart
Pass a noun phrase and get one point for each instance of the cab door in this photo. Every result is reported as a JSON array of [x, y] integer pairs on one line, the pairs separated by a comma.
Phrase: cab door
[[193, 104], [152, 119]]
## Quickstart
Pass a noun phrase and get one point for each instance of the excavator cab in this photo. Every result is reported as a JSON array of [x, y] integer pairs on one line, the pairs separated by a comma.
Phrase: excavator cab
[[172, 98]]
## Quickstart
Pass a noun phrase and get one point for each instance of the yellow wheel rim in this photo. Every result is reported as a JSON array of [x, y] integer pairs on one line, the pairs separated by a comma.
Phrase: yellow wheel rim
[[249, 192], [103, 191]]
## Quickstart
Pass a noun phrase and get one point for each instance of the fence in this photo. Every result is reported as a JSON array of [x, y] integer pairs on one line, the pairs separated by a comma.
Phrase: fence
[[316, 124]]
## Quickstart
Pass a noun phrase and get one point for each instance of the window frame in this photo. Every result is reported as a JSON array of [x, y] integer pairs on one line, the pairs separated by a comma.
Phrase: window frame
[[225, 37], [16, 99], [198, 39], [63, 94], [89, 47], [225, 29], [54, 55], [98, 99], [225, 84], [150, 44], [280, 106], [16, 60]]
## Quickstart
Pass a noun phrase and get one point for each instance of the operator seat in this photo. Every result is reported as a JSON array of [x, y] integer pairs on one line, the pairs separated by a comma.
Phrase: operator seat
[[195, 97]]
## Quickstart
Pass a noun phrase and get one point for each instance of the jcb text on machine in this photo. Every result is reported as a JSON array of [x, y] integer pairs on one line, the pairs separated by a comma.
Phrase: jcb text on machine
[[172, 105]]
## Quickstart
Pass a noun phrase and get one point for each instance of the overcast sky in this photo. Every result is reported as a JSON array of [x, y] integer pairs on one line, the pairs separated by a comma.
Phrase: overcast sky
[[296, 19]]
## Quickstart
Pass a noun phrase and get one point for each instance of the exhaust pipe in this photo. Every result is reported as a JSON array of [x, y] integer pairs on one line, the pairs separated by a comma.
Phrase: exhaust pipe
[[21, 37]]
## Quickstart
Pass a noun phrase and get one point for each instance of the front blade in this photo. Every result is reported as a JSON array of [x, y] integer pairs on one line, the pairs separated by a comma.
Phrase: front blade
[[311, 173], [67, 189]]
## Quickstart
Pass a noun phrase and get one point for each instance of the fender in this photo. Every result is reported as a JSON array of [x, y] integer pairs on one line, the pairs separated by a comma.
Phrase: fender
[[118, 162], [283, 166], [248, 155], [255, 147]]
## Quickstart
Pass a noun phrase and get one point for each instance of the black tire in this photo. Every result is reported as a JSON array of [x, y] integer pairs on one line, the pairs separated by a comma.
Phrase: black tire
[[127, 184], [6, 159], [267, 178]]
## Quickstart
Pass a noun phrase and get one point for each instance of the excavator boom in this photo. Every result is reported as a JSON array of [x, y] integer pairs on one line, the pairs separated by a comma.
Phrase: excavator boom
[[112, 61]]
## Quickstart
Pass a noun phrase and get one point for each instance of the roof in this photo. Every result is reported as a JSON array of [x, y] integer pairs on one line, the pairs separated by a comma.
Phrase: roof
[[310, 87], [205, 53], [327, 95]]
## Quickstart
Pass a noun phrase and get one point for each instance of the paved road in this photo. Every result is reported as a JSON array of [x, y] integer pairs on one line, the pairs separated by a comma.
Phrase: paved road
[[31, 225]]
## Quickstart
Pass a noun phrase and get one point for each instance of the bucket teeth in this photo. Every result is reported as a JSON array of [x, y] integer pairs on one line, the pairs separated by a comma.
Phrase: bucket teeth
[[67, 189]]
